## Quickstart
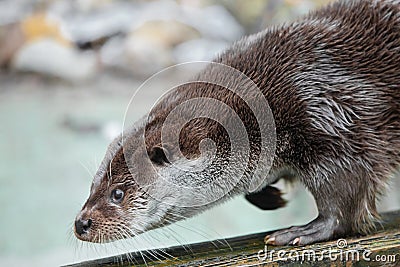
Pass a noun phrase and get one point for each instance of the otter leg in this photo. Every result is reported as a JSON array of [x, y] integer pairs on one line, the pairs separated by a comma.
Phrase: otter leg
[[343, 201]]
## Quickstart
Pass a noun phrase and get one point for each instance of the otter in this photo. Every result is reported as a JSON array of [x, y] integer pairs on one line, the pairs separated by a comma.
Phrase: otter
[[332, 84]]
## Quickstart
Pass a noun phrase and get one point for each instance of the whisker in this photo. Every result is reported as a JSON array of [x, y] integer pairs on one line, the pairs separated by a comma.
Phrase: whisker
[[222, 240], [174, 236]]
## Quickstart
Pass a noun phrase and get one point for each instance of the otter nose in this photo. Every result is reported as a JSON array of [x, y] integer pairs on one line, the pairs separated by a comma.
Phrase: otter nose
[[82, 226]]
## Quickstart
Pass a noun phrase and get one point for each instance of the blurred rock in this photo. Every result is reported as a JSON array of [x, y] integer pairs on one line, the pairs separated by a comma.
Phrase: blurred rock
[[12, 39], [40, 25], [166, 32], [147, 49], [141, 57], [141, 37], [50, 57], [213, 22], [145, 56], [247, 14], [87, 5], [112, 53], [12, 11], [278, 12], [40, 46], [14, 36], [96, 44], [198, 50], [83, 27]]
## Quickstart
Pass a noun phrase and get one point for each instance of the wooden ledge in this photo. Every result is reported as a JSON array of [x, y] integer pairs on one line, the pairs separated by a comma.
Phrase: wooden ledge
[[381, 248]]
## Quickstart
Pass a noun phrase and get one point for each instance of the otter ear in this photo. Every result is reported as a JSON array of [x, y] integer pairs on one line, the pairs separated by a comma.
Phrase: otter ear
[[158, 155]]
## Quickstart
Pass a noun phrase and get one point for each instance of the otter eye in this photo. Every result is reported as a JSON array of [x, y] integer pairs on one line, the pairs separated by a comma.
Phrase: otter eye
[[117, 195]]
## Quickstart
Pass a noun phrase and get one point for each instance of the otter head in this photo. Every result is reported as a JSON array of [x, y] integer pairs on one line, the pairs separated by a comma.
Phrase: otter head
[[108, 212], [141, 185]]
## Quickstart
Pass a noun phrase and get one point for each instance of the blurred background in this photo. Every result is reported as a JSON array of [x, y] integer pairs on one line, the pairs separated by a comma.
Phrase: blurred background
[[68, 69]]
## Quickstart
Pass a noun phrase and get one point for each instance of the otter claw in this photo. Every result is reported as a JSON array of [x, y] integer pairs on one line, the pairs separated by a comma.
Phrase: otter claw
[[296, 241], [270, 241]]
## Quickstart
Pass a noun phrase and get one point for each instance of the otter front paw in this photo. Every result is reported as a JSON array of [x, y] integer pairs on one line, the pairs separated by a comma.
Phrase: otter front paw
[[316, 231]]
